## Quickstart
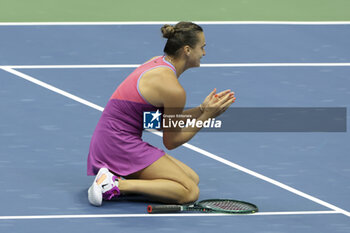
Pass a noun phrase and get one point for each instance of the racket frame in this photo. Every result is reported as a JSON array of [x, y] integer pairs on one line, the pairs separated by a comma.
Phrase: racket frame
[[200, 207], [253, 209]]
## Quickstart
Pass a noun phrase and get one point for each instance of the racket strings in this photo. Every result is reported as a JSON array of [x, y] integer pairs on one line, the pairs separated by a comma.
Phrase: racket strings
[[228, 205]]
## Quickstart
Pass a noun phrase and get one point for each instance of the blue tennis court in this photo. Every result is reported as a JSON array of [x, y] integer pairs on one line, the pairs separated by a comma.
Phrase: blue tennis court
[[56, 79]]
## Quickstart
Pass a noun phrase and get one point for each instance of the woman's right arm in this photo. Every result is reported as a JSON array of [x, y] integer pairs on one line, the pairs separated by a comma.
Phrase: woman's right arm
[[173, 98]]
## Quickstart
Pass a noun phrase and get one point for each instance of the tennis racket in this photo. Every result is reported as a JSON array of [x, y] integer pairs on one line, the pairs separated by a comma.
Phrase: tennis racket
[[211, 205]]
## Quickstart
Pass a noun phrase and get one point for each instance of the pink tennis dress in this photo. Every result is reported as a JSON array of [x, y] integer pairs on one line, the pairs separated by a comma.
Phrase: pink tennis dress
[[116, 143]]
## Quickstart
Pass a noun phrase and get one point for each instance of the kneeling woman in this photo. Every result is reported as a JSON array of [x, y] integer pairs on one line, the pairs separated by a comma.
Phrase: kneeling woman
[[116, 147]]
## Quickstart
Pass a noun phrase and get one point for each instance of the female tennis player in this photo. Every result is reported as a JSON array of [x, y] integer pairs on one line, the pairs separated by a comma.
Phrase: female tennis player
[[117, 148]]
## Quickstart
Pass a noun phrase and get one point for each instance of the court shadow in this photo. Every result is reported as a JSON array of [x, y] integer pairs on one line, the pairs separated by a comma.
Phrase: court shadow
[[132, 198]]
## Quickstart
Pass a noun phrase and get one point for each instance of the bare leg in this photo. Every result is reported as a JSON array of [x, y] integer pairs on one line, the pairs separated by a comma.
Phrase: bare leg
[[163, 180], [189, 172]]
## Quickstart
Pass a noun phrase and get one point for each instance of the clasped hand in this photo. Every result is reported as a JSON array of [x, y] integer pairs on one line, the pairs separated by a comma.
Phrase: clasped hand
[[216, 103]]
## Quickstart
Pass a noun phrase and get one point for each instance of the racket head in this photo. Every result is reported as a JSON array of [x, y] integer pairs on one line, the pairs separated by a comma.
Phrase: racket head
[[228, 206]]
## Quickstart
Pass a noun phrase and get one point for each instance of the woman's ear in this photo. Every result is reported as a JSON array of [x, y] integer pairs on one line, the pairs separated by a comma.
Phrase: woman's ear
[[187, 50]]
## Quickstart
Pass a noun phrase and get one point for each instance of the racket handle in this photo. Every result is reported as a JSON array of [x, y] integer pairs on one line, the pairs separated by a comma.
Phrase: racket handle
[[155, 209]]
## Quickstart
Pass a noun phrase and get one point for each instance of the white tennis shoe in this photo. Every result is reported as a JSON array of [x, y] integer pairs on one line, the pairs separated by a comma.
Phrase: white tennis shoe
[[104, 187]]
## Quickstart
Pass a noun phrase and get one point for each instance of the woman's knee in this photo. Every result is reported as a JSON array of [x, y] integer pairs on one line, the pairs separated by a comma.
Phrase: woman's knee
[[195, 178], [190, 194]]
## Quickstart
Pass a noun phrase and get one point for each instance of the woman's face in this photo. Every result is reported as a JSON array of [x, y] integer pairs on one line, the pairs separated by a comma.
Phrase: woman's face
[[195, 54]]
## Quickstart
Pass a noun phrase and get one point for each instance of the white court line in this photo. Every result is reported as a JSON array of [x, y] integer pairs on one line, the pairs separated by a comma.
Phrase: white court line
[[213, 65], [161, 215], [52, 88], [71, 66], [174, 22], [194, 148]]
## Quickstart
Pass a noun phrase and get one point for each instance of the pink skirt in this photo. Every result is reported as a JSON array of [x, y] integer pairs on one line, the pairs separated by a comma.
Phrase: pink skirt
[[117, 144]]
